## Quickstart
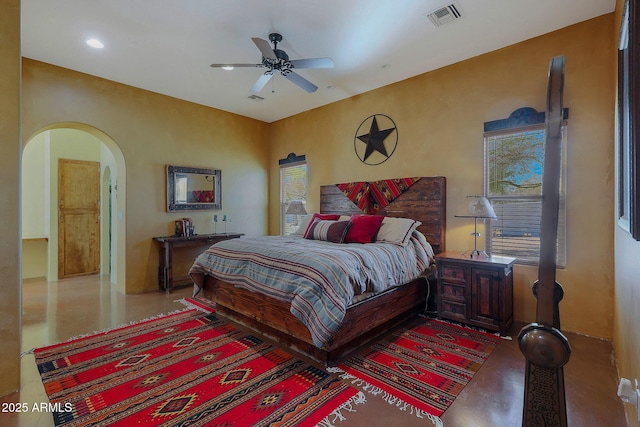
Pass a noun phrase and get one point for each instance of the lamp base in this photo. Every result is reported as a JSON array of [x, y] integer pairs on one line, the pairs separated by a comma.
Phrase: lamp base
[[476, 254]]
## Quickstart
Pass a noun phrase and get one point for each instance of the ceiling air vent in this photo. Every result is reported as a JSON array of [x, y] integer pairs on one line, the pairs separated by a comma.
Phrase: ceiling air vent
[[444, 15]]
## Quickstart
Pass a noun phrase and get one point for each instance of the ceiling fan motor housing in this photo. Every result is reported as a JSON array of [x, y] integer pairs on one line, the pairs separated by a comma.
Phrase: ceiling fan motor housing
[[276, 38], [281, 54], [282, 63]]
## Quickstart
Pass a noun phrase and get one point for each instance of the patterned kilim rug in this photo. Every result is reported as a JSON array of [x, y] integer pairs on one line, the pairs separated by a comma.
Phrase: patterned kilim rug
[[421, 368], [186, 368]]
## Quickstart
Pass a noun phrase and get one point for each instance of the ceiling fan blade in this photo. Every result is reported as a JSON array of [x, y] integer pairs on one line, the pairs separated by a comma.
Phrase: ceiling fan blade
[[265, 48], [312, 63], [260, 83], [237, 65], [302, 82]]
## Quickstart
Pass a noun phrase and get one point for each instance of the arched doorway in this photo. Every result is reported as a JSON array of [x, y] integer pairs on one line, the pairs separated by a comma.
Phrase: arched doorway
[[39, 197]]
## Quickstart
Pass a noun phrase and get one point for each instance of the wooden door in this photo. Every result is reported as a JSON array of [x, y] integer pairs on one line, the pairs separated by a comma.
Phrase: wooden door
[[78, 218]]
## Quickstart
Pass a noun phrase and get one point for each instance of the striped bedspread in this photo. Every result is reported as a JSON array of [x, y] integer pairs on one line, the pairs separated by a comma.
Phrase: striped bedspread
[[318, 278]]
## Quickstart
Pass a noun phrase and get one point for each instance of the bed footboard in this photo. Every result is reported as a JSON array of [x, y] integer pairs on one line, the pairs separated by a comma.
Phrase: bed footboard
[[363, 322]]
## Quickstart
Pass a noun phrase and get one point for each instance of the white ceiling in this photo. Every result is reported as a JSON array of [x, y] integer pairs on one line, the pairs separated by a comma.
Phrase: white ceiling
[[166, 46]]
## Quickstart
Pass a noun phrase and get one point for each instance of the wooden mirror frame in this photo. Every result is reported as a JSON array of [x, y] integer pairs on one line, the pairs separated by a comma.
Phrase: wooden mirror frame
[[173, 172]]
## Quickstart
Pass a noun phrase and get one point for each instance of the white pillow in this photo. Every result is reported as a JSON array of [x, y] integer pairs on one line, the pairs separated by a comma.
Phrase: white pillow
[[303, 225], [396, 230]]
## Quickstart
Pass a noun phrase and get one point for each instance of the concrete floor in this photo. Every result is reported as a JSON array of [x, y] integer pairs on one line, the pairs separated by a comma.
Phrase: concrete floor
[[57, 311]]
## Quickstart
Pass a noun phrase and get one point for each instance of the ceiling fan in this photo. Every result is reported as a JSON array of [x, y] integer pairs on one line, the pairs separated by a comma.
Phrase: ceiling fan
[[277, 60]]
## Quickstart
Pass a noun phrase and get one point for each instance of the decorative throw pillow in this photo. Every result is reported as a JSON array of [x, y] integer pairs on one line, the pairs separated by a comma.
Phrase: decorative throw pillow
[[330, 217], [364, 228], [304, 224], [397, 230], [329, 231]]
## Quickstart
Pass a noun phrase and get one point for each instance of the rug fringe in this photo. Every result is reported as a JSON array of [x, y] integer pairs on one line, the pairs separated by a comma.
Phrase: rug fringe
[[473, 328], [24, 353], [390, 399], [336, 415], [111, 329]]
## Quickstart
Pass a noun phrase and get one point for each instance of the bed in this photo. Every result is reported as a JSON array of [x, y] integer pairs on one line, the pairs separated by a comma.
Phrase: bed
[[369, 312]]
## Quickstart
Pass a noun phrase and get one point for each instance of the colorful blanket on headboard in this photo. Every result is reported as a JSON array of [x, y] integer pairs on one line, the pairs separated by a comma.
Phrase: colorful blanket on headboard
[[370, 197]]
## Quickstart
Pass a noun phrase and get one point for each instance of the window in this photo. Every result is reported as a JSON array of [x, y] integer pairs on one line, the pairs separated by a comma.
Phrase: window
[[514, 153], [293, 192], [628, 120]]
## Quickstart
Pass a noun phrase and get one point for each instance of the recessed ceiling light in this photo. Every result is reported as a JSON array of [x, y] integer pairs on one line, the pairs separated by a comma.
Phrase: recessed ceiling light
[[95, 43], [227, 67]]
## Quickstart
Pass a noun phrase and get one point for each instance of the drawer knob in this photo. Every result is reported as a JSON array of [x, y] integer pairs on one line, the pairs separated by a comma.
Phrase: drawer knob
[[454, 273]]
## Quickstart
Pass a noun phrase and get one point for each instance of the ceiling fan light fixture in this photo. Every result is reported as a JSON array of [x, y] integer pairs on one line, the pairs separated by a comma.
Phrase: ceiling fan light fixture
[[227, 68]]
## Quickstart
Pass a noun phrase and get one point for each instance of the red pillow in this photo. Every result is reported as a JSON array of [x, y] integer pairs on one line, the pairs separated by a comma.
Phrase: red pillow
[[364, 228], [322, 217]]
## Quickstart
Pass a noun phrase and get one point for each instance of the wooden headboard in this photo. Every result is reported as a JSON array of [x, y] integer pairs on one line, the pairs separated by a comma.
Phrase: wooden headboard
[[424, 201]]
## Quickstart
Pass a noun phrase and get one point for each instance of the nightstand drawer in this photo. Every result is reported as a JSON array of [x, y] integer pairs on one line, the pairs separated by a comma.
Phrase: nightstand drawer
[[454, 273], [453, 291], [453, 310]]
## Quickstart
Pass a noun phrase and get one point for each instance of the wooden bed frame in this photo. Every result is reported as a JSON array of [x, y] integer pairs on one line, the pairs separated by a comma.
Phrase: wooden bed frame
[[423, 201]]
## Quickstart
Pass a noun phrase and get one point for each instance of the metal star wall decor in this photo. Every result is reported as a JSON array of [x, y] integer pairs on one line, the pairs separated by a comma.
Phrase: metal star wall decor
[[377, 145]]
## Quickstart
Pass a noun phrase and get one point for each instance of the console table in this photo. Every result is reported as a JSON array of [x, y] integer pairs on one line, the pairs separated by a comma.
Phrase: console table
[[166, 281]]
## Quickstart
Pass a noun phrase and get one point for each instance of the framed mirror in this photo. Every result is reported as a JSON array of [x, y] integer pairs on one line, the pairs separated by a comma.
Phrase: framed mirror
[[190, 189]]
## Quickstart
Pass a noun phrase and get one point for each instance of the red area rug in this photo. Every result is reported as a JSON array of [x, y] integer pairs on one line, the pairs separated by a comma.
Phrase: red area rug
[[187, 368], [422, 368]]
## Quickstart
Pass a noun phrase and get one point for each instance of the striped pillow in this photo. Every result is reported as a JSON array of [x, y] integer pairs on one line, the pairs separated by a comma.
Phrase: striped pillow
[[329, 231]]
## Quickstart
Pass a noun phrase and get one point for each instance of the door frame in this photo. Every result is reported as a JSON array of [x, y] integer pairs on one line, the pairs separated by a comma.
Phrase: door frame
[[118, 226]]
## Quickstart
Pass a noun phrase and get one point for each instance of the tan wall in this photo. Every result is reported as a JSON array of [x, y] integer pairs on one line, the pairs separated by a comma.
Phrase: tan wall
[[10, 305], [627, 286], [153, 130], [440, 116]]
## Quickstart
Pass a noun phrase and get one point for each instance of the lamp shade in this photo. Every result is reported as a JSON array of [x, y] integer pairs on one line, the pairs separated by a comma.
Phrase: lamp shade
[[296, 207], [480, 207]]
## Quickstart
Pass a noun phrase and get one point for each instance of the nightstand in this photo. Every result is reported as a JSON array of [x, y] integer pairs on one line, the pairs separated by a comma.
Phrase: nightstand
[[476, 291]]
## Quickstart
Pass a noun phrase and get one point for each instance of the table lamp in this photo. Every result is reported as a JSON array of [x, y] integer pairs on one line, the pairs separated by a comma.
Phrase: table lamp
[[479, 208], [296, 207]]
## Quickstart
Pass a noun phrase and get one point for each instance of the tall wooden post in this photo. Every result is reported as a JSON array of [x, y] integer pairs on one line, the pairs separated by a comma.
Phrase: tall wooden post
[[543, 345]]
